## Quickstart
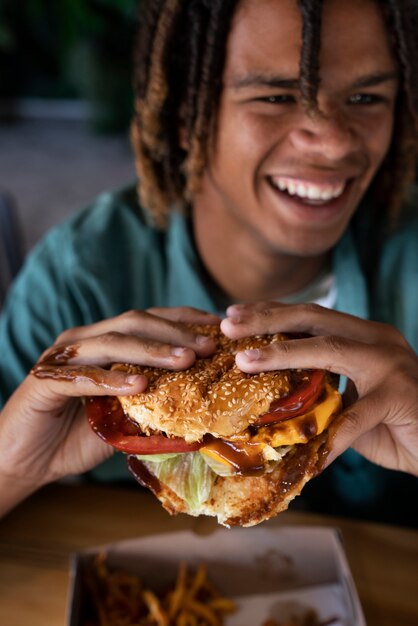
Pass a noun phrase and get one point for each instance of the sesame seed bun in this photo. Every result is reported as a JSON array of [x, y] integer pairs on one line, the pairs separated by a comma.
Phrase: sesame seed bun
[[213, 396]]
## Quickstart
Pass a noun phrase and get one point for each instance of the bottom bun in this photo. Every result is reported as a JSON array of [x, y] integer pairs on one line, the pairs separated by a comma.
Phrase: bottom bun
[[246, 500]]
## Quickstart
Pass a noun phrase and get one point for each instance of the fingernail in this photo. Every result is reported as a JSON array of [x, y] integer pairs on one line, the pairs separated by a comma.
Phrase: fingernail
[[178, 351], [234, 318], [133, 379], [234, 308], [202, 339], [253, 355]]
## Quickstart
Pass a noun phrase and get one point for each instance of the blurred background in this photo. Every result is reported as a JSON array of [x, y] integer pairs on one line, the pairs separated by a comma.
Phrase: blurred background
[[65, 108]]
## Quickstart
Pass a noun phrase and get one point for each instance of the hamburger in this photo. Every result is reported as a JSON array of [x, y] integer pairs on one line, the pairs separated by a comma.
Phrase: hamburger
[[213, 440]]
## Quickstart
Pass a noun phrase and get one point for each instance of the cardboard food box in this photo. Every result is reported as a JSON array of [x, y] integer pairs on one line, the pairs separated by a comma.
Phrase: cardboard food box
[[269, 572]]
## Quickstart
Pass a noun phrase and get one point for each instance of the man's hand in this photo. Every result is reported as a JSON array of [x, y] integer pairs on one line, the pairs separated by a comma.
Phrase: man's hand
[[380, 419], [44, 434]]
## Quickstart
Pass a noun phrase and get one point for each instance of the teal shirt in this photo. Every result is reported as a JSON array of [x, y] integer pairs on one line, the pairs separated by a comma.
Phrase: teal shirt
[[107, 259]]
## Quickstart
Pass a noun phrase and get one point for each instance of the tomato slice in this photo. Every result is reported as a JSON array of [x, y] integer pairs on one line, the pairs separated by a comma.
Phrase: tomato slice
[[109, 422], [296, 403]]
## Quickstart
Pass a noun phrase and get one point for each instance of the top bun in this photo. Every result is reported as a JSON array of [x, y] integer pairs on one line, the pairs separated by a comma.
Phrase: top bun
[[213, 396]]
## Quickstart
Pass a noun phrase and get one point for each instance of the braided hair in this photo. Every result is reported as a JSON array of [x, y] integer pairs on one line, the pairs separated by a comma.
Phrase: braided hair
[[179, 64]]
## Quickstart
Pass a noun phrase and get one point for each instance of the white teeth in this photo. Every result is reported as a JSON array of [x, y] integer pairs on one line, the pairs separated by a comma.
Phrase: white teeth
[[291, 188], [309, 190], [300, 190]]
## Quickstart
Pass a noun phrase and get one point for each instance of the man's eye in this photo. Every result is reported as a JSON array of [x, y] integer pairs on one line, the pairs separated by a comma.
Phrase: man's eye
[[366, 99], [280, 99]]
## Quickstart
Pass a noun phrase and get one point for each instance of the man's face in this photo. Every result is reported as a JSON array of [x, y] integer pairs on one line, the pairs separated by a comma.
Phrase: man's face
[[291, 179]]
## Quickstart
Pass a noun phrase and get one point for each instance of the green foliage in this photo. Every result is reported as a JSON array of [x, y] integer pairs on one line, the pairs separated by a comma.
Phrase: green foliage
[[41, 40]]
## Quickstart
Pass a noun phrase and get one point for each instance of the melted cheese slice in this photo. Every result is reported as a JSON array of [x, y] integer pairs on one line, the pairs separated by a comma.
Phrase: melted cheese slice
[[302, 428], [251, 456]]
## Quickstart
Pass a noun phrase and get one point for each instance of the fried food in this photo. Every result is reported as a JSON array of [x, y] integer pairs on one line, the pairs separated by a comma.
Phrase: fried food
[[119, 598]]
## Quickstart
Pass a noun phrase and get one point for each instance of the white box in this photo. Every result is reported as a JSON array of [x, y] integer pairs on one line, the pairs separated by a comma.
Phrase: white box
[[268, 571]]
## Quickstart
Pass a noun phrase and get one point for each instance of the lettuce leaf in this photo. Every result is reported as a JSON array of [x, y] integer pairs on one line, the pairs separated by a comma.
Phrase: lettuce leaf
[[191, 474], [186, 474], [158, 458]]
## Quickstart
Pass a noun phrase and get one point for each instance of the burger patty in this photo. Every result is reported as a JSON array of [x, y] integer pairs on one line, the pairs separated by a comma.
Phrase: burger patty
[[246, 500]]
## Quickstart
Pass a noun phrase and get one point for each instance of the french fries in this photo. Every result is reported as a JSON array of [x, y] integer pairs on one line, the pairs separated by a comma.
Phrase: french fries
[[121, 599]]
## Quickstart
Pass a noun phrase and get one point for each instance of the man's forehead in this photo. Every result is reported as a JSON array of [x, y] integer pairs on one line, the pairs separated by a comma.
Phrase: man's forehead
[[256, 38], [266, 40]]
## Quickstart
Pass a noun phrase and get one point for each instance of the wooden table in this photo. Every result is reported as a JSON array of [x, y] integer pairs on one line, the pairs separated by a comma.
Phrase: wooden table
[[37, 538]]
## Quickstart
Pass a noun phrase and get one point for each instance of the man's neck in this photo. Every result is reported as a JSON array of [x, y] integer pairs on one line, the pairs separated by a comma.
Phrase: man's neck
[[245, 271]]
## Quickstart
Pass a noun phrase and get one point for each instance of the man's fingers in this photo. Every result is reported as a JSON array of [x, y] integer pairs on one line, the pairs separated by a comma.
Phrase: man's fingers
[[368, 427], [77, 364], [336, 354], [268, 318], [353, 423], [116, 347], [86, 380], [142, 325]]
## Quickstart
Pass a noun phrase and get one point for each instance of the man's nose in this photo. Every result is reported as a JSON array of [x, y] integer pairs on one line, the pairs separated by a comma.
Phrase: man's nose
[[326, 134]]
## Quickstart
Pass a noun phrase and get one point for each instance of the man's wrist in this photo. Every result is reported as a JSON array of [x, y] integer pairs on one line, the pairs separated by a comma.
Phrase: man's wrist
[[13, 490]]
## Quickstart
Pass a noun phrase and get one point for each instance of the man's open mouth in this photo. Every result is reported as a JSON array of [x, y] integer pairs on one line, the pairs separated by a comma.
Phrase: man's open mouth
[[314, 194]]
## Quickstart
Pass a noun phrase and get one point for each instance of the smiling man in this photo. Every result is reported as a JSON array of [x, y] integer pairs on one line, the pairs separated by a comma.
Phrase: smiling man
[[284, 176], [276, 144]]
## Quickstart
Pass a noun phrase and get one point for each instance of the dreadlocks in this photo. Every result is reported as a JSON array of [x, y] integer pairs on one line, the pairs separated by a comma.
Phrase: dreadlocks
[[178, 81], [177, 85], [399, 168]]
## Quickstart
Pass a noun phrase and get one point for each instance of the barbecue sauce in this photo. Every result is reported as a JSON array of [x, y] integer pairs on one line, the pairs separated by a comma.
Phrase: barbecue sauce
[[71, 374], [245, 459], [106, 417], [60, 355], [142, 475]]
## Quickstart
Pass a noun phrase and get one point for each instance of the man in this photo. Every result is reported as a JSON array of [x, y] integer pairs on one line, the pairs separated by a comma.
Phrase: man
[[274, 143]]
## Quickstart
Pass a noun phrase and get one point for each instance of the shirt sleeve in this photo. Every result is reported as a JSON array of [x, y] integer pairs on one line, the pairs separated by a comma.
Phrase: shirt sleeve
[[38, 307], [100, 262]]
